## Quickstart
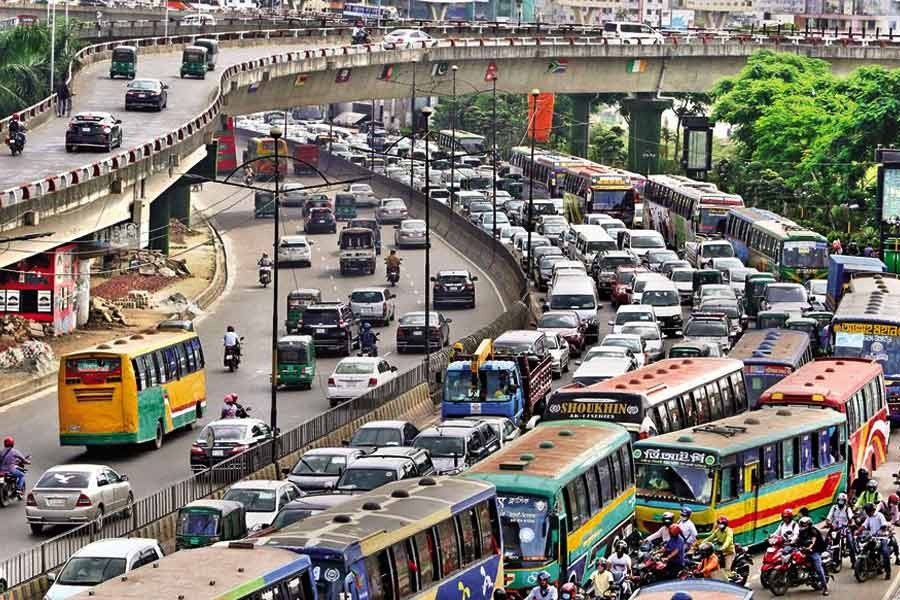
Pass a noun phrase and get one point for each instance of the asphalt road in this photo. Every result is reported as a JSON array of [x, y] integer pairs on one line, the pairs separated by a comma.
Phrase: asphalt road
[[247, 306]]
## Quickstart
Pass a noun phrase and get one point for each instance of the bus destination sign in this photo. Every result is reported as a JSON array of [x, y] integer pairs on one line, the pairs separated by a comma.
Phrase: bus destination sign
[[671, 456], [561, 407]]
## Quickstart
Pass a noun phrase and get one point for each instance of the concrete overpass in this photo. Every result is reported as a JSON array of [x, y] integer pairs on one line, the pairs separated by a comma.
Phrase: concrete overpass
[[74, 195]]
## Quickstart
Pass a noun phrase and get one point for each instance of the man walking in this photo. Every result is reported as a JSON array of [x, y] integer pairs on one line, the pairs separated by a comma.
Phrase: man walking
[[63, 100]]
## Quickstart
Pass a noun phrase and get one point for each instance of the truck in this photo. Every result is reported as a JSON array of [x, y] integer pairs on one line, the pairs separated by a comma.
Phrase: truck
[[497, 382], [841, 268], [306, 159]]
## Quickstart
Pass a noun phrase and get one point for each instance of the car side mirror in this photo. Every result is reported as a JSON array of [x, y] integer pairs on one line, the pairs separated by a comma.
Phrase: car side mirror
[[285, 471], [448, 320], [345, 443], [51, 576], [102, 483], [545, 307], [610, 323], [475, 278], [123, 476], [393, 369]]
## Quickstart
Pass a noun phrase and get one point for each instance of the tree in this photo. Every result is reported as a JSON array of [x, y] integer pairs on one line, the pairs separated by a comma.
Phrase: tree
[[607, 145]]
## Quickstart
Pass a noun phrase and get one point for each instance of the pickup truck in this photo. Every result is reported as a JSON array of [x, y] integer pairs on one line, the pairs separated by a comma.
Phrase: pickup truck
[[494, 381]]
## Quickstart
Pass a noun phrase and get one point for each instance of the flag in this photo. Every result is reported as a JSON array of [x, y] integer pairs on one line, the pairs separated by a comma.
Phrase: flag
[[300, 79], [540, 116], [439, 69], [343, 75], [559, 65], [490, 73], [387, 73], [636, 65]]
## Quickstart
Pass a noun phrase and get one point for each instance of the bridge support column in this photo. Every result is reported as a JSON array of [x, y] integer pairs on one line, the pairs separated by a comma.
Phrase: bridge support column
[[159, 222], [644, 110], [438, 11], [180, 202], [580, 130]]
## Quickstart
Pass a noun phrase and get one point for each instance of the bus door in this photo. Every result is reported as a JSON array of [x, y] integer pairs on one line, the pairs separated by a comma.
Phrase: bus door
[[559, 539], [751, 495]]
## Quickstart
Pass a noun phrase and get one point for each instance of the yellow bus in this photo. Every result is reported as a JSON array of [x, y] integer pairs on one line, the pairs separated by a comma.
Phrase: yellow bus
[[132, 390]]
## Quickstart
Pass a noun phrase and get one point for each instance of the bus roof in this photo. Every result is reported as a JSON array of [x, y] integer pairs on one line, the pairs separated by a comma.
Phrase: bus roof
[[139, 343], [826, 381], [881, 302], [873, 282], [785, 229], [377, 519], [771, 346], [748, 213], [177, 576], [744, 431], [550, 452]]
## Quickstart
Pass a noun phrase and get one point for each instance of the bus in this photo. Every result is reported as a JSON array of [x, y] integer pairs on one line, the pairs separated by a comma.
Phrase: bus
[[226, 571], [854, 387], [367, 12], [566, 494], [132, 390], [777, 245], [747, 468], [547, 167], [429, 537], [665, 396], [468, 143], [770, 355], [683, 209], [866, 324], [262, 148]]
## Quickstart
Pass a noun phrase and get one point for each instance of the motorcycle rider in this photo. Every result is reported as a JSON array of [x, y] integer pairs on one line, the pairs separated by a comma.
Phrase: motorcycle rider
[[661, 534], [876, 524], [601, 579], [368, 340], [11, 461], [709, 567], [543, 590], [393, 262], [674, 552], [811, 539], [232, 341], [788, 528], [17, 129], [869, 496], [619, 561], [840, 516], [264, 260], [722, 539], [859, 484], [889, 508], [359, 35], [688, 529], [568, 591], [232, 409]]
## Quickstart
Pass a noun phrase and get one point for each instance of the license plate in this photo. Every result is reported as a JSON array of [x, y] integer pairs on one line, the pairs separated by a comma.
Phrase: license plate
[[218, 453], [418, 333], [320, 331], [142, 95], [475, 408], [85, 130], [56, 502]]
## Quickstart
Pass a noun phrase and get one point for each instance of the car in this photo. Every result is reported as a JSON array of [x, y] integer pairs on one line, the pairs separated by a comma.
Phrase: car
[[77, 494], [714, 290], [391, 210], [319, 468], [94, 130], [633, 342], [545, 270], [559, 352], [503, 427], [293, 196], [320, 220], [632, 33], [640, 282], [332, 326], [146, 93], [553, 227], [294, 249], [683, 278], [670, 265], [453, 288], [316, 201], [655, 258], [374, 305], [375, 434], [410, 232], [623, 284], [369, 473], [629, 313], [567, 324], [652, 336], [297, 510], [599, 369], [262, 499], [411, 331], [370, 224], [726, 263], [355, 375], [221, 439], [663, 296], [709, 327], [816, 290], [476, 209], [407, 38], [522, 249], [420, 458], [787, 297], [733, 309], [605, 265], [101, 561], [737, 278], [456, 448], [363, 194], [621, 353], [538, 254], [683, 349], [487, 222]]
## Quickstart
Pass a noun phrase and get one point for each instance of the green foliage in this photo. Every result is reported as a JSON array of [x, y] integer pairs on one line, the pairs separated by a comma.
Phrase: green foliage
[[607, 145]]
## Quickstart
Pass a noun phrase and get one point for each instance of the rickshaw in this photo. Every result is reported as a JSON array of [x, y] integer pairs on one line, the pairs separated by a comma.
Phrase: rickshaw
[[344, 206], [194, 63], [263, 204], [204, 522], [705, 277], [296, 361], [755, 291], [297, 301], [124, 62], [212, 51], [772, 319]]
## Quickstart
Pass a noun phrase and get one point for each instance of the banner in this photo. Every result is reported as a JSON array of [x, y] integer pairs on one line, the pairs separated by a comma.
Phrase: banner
[[540, 116]]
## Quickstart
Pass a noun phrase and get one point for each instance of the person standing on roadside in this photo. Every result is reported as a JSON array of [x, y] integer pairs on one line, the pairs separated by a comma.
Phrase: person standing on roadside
[[63, 99]]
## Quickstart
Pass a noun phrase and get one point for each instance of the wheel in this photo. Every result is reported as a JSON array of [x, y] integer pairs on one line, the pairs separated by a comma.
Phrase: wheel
[[231, 367], [98, 521], [3, 586], [70, 148], [182, 75], [837, 562], [36, 528], [199, 411], [566, 367], [159, 106], [129, 507], [764, 579], [158, 438], [4, 499], [859, 569], [778, 583]]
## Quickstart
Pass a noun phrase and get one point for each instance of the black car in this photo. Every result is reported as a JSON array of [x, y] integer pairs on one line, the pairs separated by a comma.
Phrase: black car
[[420, 458], [411, 331], [455, 448], [376, 434], [332, 326], [367, 473], [604, 266], [94, 130], [454, 288], [146, 93], [225, 438], [292, 196], [320, 220], [297, 510]]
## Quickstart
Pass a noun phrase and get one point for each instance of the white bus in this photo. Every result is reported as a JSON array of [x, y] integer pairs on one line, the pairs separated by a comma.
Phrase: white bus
[[369, 13]]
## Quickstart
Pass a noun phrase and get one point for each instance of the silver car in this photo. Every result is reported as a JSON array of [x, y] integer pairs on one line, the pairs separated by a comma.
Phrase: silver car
[[77, 494], [391, 210], [410, 232]]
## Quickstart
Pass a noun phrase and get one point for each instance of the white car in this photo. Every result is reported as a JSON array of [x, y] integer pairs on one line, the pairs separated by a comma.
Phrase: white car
[[632, 341], [373, 304], [407, 38], [505, 428], [621, 353], [100, 561], [507, 233], [295, 249], [356, 375], [715, 290], [629, 313], [599, 369], [559, 353], [652, 336], [726, 263], [487, 222], [262, 499], [363, 194]]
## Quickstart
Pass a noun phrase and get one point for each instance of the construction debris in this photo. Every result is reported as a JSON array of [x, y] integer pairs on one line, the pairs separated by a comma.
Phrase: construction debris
[[179, 307], [20, 330], [106, 313], [33, 355]]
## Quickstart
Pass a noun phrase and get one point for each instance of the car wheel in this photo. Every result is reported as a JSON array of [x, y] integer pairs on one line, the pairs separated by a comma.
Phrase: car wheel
[[129, 507], [36, 528], [109, 146], [98, 520], [127, 108], [159, 107], [566, 366], [70, 148]]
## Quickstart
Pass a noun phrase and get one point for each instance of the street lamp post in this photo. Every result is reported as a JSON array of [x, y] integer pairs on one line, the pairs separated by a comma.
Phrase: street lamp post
[[454, 69], [494, 148], [275, 133], [426, 114], [412, 137], [534, 99]]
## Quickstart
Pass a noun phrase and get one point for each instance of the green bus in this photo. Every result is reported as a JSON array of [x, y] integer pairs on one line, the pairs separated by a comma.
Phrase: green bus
[[566, 494]]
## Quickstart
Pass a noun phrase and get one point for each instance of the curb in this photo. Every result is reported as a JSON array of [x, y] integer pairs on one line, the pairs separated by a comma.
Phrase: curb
[[203, 299]]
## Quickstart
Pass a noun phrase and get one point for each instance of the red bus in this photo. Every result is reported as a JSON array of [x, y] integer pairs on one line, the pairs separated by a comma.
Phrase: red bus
[[854, 387]]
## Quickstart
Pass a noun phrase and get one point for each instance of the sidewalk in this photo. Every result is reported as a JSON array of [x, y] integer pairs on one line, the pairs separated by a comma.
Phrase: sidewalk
[[205, 257]]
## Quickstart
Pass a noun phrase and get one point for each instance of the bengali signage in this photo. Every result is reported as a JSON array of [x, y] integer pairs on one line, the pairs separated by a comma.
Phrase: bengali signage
[[867, 328], [671, 456]]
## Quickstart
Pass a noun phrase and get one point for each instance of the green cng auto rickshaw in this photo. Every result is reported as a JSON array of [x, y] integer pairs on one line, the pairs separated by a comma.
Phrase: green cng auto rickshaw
[[205, 522], [772, 319], [297, 301], [344, 206], [809, 327], [263, 204], [212, 51], [823, 327], [296, 361], [124, 62], [755, 291], [193, 62]]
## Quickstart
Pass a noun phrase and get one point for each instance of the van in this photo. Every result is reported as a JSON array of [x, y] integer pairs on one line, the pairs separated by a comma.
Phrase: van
[[578, 294], [590, 241], [701, 254], [641, 241], [632, 33]]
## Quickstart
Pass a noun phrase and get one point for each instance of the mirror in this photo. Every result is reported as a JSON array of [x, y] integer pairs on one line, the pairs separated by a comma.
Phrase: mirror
[[51, 576], [475, 278], [123, 476], [345, 443], [285, 471], [393, 369]]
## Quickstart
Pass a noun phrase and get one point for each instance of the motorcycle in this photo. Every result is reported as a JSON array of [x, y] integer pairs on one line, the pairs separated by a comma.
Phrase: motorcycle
[[796, 569], [740, 566], [16, 143], [651, 568], [240, 412], [361, 38], [8, 491], [839, 545], [265, 275], [772, 558], [620, 588], [233, 357], [393, 275], [869, 562], [370, 350]]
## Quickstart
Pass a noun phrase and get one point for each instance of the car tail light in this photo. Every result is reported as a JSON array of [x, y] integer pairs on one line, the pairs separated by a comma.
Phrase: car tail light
[[107, 130], [401, 333], [197, 450], [30, 501], [470, 286], [238, 449], [331, 381], [83, 501], [72, 127], [373, 381]]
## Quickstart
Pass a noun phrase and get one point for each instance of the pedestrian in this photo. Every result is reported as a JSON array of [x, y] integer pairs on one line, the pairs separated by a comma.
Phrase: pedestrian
[[63, 99]]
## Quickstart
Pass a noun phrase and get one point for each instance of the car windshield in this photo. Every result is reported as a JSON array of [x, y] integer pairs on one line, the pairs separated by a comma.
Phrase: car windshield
[[775, 294], [290, 516], [611, 263], [320, 317], [320, 464], [365, 479], [631, 344], [647, 333], [376, 436], [143, 84], [355, 368], [805, 254], [718, 250], [547, 262], [690, 484], [89, 571], [253, 500], [682, 276], [661, 256], [394, 204], [706, 328], [367, 297], [729, 309], [552, 343], [558, 321], [453, 279], [661, 298], [225, 433], [602, 353], [413, 226], [197, 522], [553, 227], [629, 316], [647, 241], [625, 277], [418, 319], [582, 301], [439, 445], [716, 290], [525, 521], [64, 479]]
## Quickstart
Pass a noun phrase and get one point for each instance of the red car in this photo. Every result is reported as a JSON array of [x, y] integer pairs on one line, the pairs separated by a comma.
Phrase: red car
[[568, 325], [621, 289]]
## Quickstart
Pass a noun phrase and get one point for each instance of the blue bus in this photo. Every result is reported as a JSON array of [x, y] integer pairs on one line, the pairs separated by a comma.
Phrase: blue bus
[[770, 355], [367, 12]]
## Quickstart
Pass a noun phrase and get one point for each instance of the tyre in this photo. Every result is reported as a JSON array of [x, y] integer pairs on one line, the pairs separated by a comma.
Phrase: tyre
[[836, 563], [778, 583], [36, 528], [199, 410], [158, 438], [231, 367], [555, 374], [98, 521], [4, 499], [129, 507], [3, 586], [860, 568], [70, 148], [764, 579]]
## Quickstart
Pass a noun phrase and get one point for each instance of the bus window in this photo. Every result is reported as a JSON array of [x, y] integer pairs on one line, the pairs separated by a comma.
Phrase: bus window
[[406, 579], [727, 398], [487, 527], [701, 405], [662, 417], [826, 447], [604, 478], [788, 458], [675, 414], [690, 415], [627, 465], [186, 351], [860, 407], [426, 558], [715, 401], [806, 453], [740, 394], [769, 463], [379, 570], [162, 366], [140, 374], [593, 490], [618, 474], [729, 483], [447, 543], [468, 527]]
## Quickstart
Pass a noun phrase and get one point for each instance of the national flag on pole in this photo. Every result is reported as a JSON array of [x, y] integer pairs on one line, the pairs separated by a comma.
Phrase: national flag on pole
[[387, 73], [636, 65], [490, 73], [300, 79], [343, 75]]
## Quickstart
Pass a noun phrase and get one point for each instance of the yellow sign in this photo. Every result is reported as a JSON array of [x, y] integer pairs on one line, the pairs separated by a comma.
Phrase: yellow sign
[[868, 328]]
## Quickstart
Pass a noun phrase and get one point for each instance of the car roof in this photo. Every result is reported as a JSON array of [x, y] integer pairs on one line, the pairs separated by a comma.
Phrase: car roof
[[243, 421], [519, 335], [661, 284], [397, 451], [444, 431], [453, 274], [603, 364], [386, 424], [369, 289], [77, 467], [359, 360], [259, 484], [332, 451], [380, 462], [626, 308], [116, 547], [316, 501], [294, 238]]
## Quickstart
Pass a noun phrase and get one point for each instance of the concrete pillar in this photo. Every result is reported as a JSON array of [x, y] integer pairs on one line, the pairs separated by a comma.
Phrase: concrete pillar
[[644, 110], [83, 292], [159, 222], [580, 130], [180, 201], [140, 216]]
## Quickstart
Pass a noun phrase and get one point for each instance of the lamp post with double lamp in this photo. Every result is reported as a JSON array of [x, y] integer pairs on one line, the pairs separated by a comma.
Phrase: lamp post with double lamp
[[412, 134], [453, 69], [534, 99], [494, 149], [426, 115]]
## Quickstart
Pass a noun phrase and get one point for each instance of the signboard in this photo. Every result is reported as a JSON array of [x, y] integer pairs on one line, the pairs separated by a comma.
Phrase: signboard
[[890, 207], [867, 328], [767, 370], [12, 300], [669, 456], [567, 405], [44, 301]]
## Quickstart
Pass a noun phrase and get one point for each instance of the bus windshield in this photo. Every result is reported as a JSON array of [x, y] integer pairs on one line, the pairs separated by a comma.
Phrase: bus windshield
[[884, 349], [713, 219], [690, 484], [525, 521], [604, 200], [805, 254]]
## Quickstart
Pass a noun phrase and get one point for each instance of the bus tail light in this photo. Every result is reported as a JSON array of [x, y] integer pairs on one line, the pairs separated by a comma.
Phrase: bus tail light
[[779, 396]]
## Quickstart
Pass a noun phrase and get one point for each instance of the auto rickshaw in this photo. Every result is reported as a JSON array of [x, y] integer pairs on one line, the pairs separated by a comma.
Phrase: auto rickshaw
[[297, 301], [705, 277], [204, 522], [755, 291], [808, 326], [124, 62], [296, 361], [772, 319], [263, 204], [193, 62], [212, 51], [344, 206]]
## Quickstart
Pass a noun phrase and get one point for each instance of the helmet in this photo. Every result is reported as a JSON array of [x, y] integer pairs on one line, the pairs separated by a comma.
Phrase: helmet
[[842, 499], [686, 512], [787, 514], [894, 499], [723, 520], [621, 546], [544, 576], [681, 596], [872, 485], [9, 442], [265, 254], [706, 549], [568, 591], [367, 325], [230, 398], [674, 530], [458, 347], [805, 523], [15, 117], [869, 508], [861, 472], [393, 252], [230, 328], [601, 562], [668, 518]]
